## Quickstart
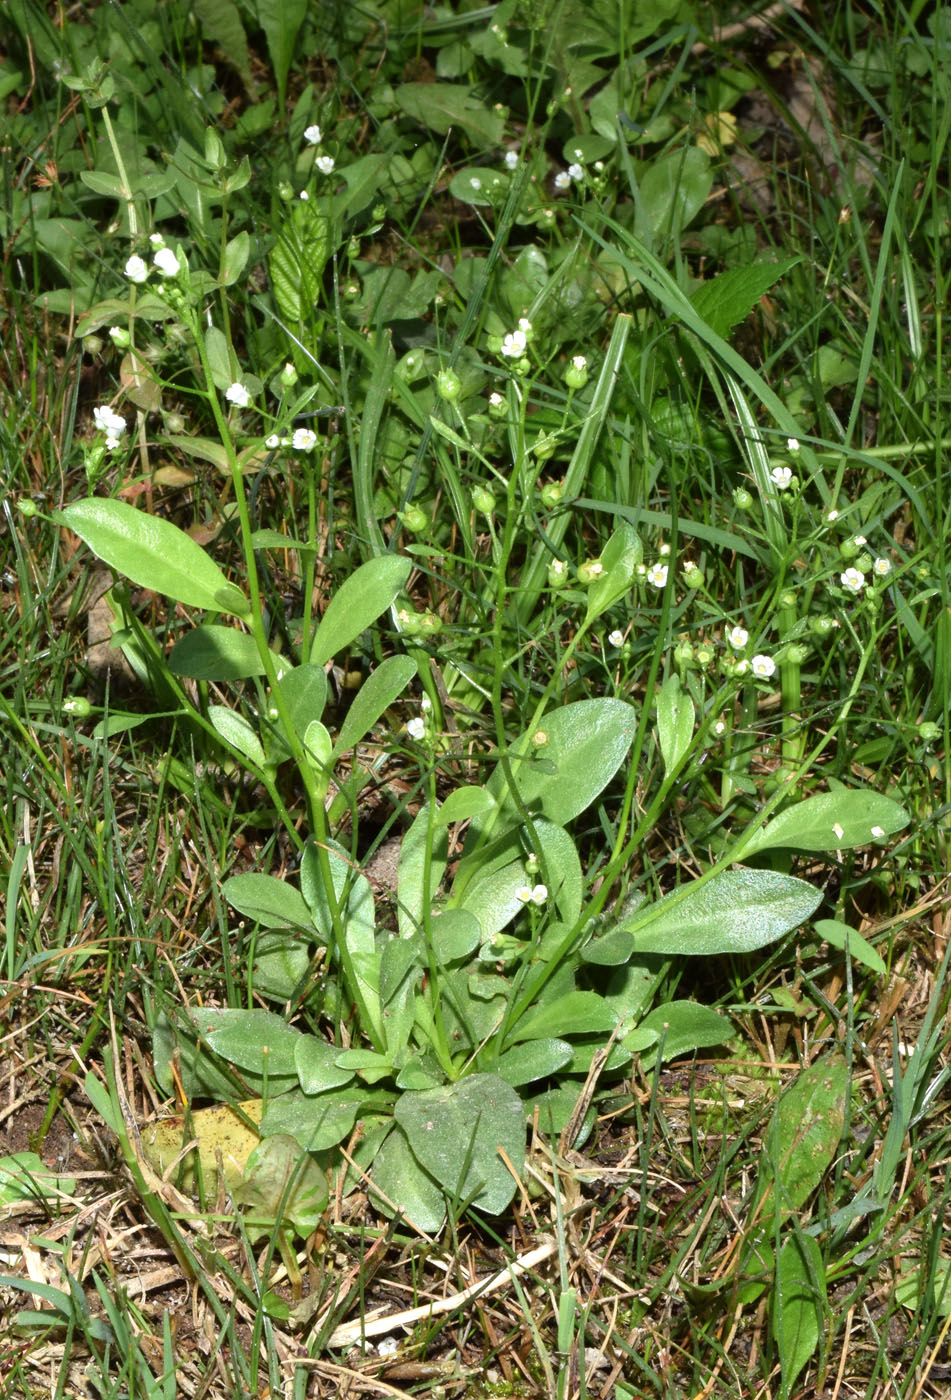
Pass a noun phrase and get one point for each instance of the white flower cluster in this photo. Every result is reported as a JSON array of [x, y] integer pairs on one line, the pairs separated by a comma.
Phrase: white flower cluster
[[111, 424]]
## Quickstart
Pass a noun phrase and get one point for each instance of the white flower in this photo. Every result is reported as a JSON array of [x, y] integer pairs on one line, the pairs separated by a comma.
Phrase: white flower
[[832, 515], [495, 399], [304, 194], [742, 666], [325, 164], [580, 362], [763, 666], [511, 160], [882, 566], [238, 394], [112, 442], [859, 541], [303, 440], [616, 637], [272, 442], [529, 894], [664, 551], [524, 324], [312, 134], [389, 1345], [853, 580], [416, 728], [738, 637], [167, 263], [562, 180], [838, 832], [781, 477], [513, 345], [878, 832], [720, 727], [657, 575], [575, 172], [156, 240], [108, 422], [135, 269], [475, 183], [793, 445]]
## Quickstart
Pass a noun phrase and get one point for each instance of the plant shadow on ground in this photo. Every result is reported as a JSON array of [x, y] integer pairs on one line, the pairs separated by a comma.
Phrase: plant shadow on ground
[[712, 456]]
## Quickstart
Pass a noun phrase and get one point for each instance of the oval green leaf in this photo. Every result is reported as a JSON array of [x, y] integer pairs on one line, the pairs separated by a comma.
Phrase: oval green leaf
[[832, 821], [734, 912], [358, 601]]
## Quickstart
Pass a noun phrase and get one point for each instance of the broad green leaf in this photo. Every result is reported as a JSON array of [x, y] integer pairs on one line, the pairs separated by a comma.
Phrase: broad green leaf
[[440, 106], [585, 744], [221, 21], [563, 868], [832, 821], [374, 697], [411, 877], [304, 689], [672, 192], [354, 898], [220, 360], [357, 603], [237, 252], [619, 560], [198, 1070], [317, 1067], [555, 1107], [803, 1137], [296, 264], [281, 21], [734, 912], [399, 1185], [154, 554], [24, 1177], [101, 182], [281, 1185], [494, 901], [464, 803], [455, 934], [575, 1013], [535, 1059], [841, 936], [458, 1133], [680, 1027], [281, 962], [271, 902], [727, 299], [799, 1306], [238, 732], [260, 1041], [319, 1121], [675, 720], [479, 185], [211, 652]]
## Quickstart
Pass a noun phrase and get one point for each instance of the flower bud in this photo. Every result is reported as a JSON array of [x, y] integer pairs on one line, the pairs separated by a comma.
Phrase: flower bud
[[27, 508], [742, 498], [576, 375], [552, 493], [415, 519], [589, 571], [288, 376], [483, 500], [77, 705], [928, 731], [448, 385], [557, 573]]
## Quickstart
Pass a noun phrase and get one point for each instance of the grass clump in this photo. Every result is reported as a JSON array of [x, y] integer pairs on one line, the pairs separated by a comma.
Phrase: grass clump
[[475, 688]]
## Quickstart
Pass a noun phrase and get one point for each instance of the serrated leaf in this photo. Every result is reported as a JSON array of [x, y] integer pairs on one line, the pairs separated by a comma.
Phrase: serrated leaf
[[832, 821], [737, 911], [296, 264], [154, 554], [675, 720], [441, 106], [459, 1133], [727, 299], [357, 603]]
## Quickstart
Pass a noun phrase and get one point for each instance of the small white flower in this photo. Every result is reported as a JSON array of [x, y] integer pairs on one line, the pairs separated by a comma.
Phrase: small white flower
[[664, 551], [109, 422], [389, 1345], [882, 567], [738, 637], [878, 832], [325, 164], [719, 727], [558, 567], [524, 324], [562, 180], [657, 575], [112, 442], [157, 241], [312, 134], [304, 194], [303, 440], [119, 335], [580, 362], [272, 442], [425, 704], [853, 580], [416, 728], [167, 263], [511, 160], [575, 172], [781, 477], [135, 269], [529, 894], [513, 344], [838, 831], [832, 515], [495, 399], [742, 666], [793, 445], [763, 666], [540, 892], [238, 394], [475, 183], [616, 637], [859, 541]]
